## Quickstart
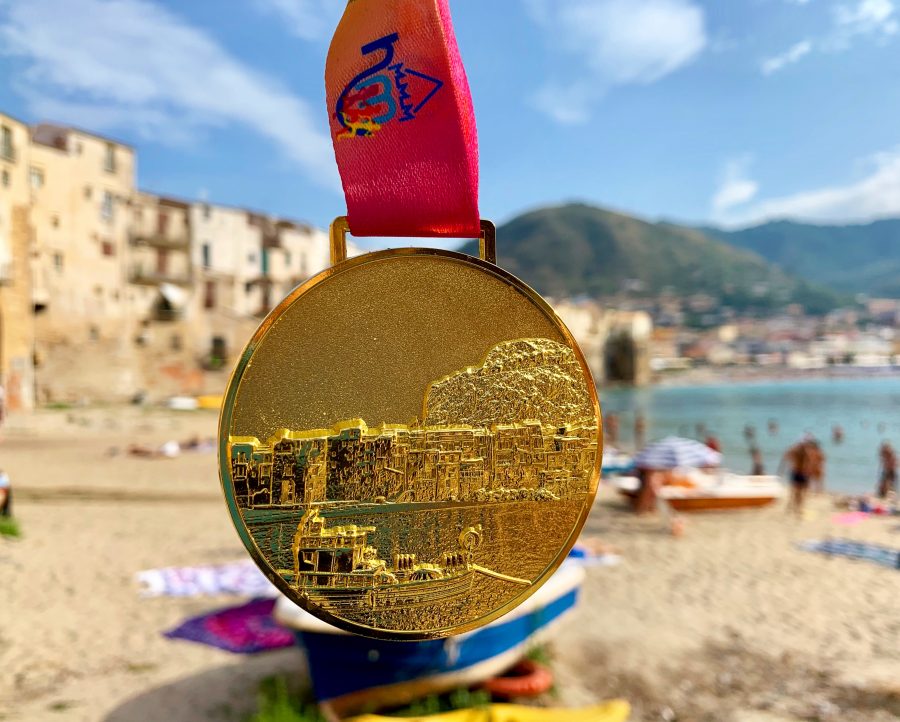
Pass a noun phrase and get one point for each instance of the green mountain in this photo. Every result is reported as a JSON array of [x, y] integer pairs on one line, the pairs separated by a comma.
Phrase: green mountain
[[853, 259], [581, 250]]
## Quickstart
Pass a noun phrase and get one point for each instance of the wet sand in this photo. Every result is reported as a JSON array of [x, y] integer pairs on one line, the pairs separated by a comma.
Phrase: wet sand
[[729, 622]]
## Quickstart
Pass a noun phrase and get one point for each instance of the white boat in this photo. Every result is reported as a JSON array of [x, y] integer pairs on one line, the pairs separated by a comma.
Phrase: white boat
[[694, 490]]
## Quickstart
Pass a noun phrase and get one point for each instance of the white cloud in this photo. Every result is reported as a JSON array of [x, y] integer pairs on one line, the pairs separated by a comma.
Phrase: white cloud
[[132, 64], [875, 195], [864, 17], [305, 19], [616, 42], [735, 187], [789, 56]]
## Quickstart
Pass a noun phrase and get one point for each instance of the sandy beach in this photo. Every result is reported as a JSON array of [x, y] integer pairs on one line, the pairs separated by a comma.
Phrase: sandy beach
[[729, 622]]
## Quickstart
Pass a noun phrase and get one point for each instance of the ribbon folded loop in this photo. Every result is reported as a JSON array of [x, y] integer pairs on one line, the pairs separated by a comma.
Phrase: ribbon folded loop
[[402, 121]]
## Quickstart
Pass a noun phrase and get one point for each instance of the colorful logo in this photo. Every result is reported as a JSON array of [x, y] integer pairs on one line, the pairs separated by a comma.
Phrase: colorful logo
[[385, 92]]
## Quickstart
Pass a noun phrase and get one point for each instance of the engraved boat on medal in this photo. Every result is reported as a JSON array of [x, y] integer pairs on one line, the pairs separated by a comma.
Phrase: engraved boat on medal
[[337, 569]]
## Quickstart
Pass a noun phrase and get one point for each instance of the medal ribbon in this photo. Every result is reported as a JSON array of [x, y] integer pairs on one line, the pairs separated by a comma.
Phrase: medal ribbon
[[402, 121]]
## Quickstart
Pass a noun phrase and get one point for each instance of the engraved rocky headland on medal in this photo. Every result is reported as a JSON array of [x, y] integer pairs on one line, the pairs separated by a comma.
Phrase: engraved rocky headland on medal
[[373, 524]]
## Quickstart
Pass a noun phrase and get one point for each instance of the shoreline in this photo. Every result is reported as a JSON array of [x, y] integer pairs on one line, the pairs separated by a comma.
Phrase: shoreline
[[708, 376]]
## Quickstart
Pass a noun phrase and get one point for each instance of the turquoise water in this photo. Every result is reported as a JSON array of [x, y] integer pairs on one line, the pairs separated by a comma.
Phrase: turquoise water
[[867, 409]]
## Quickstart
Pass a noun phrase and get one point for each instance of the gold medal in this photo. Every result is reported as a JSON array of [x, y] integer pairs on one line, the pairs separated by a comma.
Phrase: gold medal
[[411, 442]]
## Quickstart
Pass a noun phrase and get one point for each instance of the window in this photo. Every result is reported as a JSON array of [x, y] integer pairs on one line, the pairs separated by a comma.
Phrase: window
[[5, 179], [209, 295], [6, 143], [87, 193], [36, 178], [206, 250], [109, 158], [287, 259], [58, 262], [107, 248], [251, 258], [162, 223], [175, 342], [106, 209], [207, 211]]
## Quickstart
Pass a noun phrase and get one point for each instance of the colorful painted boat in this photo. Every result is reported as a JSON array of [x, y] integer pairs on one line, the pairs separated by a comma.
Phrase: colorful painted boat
[[351, 673], [698, 491]]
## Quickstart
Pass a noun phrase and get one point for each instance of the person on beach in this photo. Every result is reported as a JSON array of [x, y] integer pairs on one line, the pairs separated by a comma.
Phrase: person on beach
[[758, 469], [798, 461], [640, 430], [816, 466], [5, 495], [773, 427], [837, 434], [611, 422], [749, 432], [713, 443], [887, 483]]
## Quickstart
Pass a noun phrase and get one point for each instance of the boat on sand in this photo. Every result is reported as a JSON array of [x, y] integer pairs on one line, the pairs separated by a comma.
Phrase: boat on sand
[[694, 490]]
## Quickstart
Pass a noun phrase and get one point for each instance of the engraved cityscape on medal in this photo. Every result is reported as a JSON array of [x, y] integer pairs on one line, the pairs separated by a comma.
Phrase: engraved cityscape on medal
[[342, 514]]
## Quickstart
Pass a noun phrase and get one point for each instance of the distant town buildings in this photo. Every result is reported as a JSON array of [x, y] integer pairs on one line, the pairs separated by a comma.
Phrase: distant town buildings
[[400, 463], [109, 292]]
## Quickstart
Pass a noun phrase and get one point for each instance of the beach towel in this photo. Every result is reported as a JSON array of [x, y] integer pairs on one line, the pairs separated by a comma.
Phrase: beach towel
[[245, 629], [885, 556], [242, 578], [849, 518]]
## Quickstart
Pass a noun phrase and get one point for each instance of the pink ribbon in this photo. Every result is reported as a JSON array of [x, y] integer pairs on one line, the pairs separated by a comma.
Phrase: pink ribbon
[[402, 121]]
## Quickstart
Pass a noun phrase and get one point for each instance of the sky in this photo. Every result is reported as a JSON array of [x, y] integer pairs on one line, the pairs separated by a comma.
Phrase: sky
[[697, 111]]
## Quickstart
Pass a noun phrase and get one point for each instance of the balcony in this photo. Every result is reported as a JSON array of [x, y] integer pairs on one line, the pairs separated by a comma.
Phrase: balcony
[[151, 277], [159, 240], [8, 153]]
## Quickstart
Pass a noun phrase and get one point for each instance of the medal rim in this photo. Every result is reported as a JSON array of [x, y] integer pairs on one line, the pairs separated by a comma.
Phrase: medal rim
[[227, 412]]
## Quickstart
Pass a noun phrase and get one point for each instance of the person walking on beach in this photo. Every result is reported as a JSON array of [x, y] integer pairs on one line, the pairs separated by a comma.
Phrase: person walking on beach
[[888, 479], [816, 466], [799, 462]]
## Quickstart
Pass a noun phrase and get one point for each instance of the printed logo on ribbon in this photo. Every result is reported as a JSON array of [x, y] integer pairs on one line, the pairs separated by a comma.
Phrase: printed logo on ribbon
[[385, 92]]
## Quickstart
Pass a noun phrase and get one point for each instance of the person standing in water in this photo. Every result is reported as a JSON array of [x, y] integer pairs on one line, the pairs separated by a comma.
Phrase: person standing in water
[[756, 459], [611, 421], [887, 482], [640, 430]]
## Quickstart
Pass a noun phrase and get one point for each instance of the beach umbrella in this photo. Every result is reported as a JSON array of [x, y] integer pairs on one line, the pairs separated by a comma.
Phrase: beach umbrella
[[674, 452]]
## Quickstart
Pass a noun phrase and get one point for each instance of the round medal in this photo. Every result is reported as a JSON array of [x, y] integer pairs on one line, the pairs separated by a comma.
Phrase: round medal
[[410, 443]]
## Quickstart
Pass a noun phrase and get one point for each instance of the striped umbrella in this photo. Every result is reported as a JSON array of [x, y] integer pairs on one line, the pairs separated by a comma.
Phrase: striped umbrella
[[674, 452]]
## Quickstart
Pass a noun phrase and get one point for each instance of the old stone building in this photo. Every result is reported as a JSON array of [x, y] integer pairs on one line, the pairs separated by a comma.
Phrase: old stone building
[[108, 293], [16, 328], [81, 189], [616, 344]]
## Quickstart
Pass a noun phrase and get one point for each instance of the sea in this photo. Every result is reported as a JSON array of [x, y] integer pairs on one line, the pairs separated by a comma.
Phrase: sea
[[867, 410]]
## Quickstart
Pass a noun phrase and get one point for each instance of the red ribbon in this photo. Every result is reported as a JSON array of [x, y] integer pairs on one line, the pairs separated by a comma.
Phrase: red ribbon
[[402, 121]]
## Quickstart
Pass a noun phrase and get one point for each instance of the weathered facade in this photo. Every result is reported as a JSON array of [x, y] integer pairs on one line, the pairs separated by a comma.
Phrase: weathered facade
[[108, 293], [16, 327]]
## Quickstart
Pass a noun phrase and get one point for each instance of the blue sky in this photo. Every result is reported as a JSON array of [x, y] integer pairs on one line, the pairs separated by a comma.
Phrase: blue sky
[[731, 112]]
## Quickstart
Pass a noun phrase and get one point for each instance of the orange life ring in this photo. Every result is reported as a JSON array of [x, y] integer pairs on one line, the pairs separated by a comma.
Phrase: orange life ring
[[526, 679]]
